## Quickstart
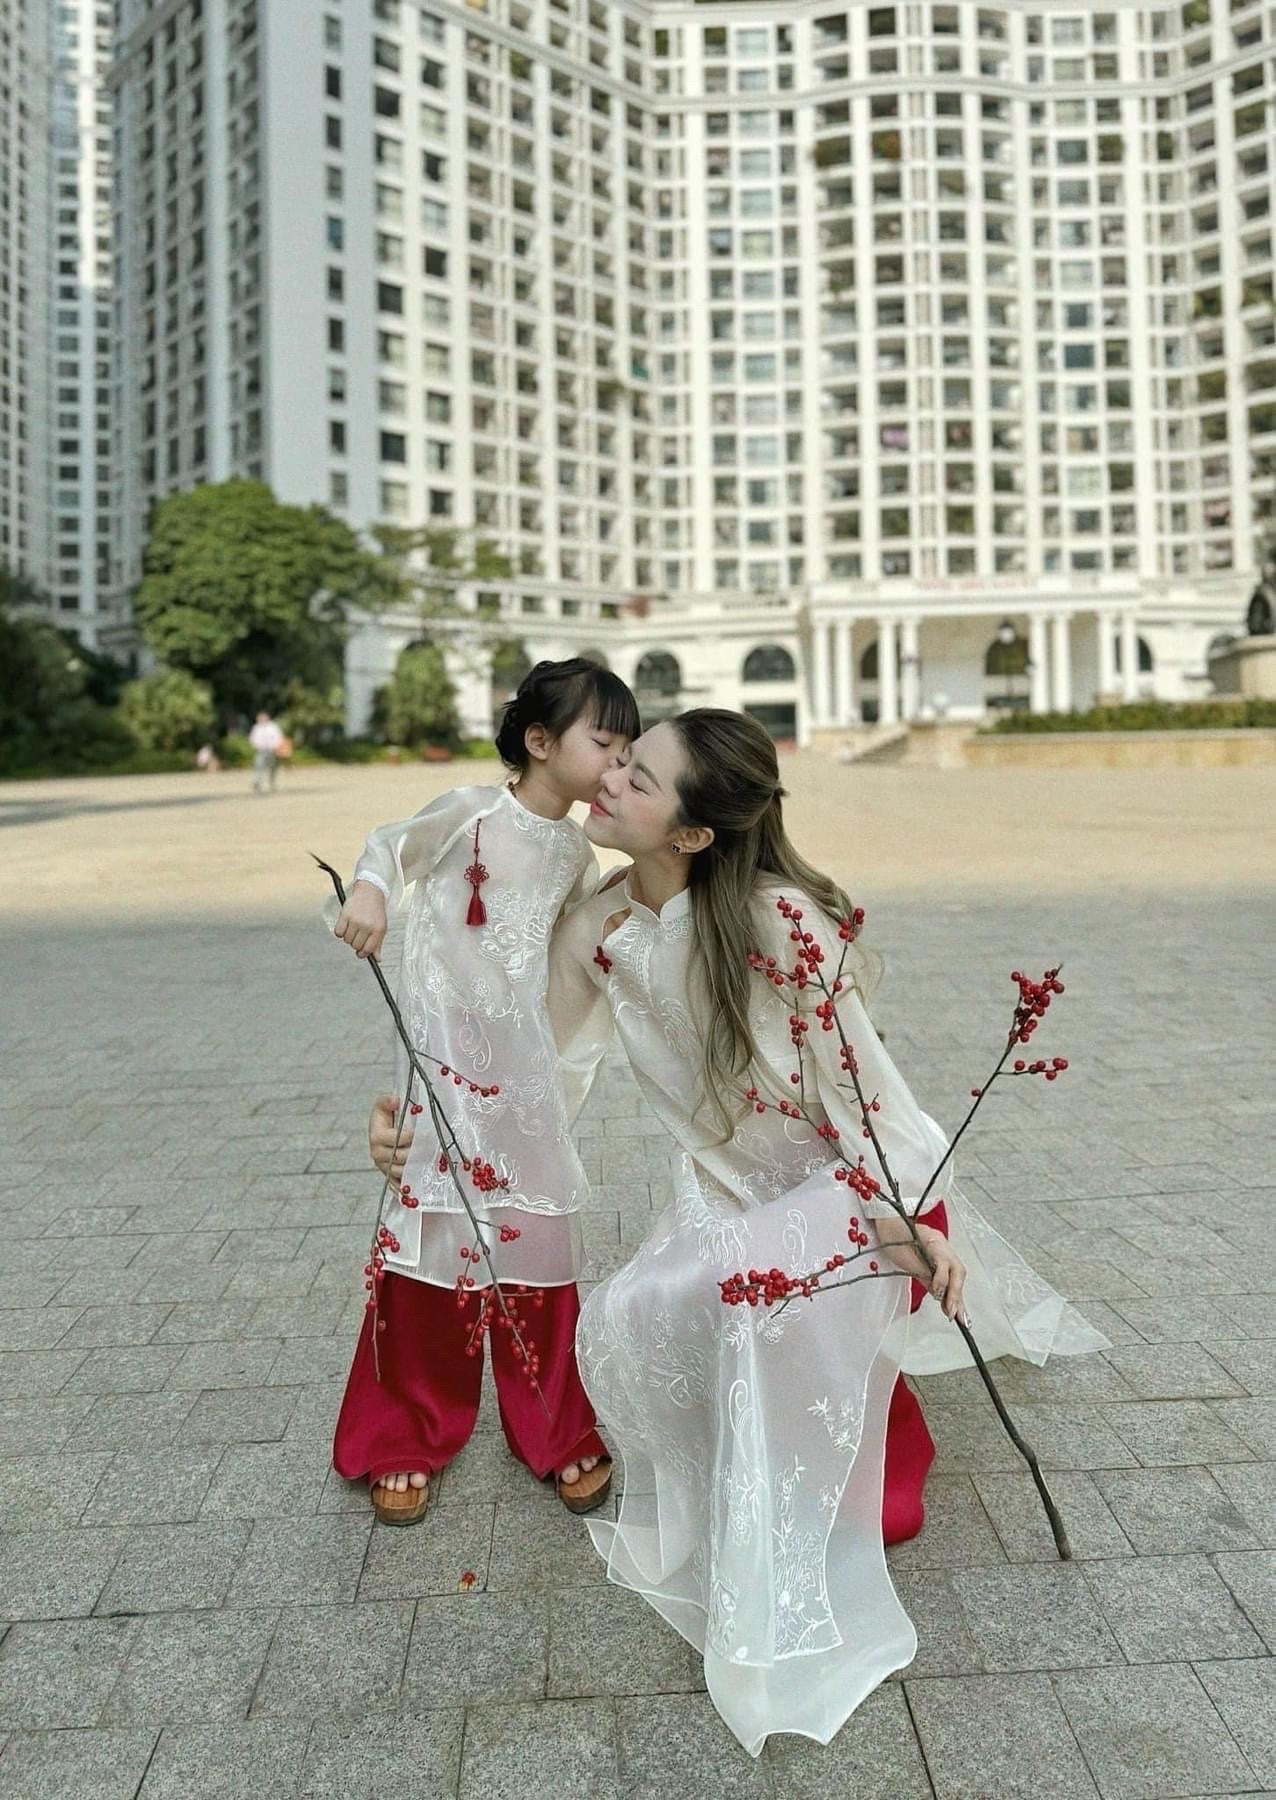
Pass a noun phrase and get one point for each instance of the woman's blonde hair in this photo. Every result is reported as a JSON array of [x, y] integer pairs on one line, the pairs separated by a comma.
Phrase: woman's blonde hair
[[732, 784]]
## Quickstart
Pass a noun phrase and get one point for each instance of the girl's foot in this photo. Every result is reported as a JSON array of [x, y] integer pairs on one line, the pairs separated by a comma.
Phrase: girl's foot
[[401, 1499], [584, 1485]]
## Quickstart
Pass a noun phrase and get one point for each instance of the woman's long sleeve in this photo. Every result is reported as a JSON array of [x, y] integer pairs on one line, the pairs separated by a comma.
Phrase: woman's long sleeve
[[579, 1013]]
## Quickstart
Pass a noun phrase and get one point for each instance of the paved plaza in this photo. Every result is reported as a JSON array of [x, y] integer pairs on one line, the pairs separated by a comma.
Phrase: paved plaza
[[197, 1606]]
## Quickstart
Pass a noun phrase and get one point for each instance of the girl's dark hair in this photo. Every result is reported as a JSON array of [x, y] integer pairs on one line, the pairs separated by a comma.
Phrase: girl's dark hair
[[555, 695], [732, 783]]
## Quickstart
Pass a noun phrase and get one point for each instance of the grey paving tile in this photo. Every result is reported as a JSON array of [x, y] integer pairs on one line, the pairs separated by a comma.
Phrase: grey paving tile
[[477, 1647], [957, 1533], [1152, 1736], [307, 1561], [83, 1764], [47, 1489], [1172, 1372], [264, 1481], [1177, 1509], [26, 1373], [1244, 1694], [174, 1568], [609, 1641], [998, 1735], [238, 1416], [945, 1644], [537, 1545], [362, 1760], [30, 1426], [238, 1363], [35, 1327], [55, 1572], [231, 1760], [195, 1665], [1162, 1433], [1251, 1360], [430, 1558], [146, 1490], [1252, 1421], [1034, 1616], [875, 1756], [133, 1422], [1170, 1609], [135, 1369], [207, 1321], [570, 1743], [58, 1673], [1019, 1518], [335, 1661], [1252, 1578], [1252, 1488], [99, 1327]]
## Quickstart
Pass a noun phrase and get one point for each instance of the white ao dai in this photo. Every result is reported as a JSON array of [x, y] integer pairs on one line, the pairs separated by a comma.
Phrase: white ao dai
[[753, 1440], [473, 998]]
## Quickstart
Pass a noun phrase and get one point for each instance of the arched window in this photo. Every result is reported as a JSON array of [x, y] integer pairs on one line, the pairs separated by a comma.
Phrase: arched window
[[868, 662], [658, 674], [769, 662], [595, 656], [1006, 659]]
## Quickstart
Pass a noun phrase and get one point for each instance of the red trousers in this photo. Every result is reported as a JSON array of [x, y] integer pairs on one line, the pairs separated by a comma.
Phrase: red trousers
[[910, 1449], [422, 1411]]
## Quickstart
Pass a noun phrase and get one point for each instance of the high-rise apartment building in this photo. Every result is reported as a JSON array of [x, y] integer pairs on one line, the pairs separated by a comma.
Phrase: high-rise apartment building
[[790, 350], [56, 488]]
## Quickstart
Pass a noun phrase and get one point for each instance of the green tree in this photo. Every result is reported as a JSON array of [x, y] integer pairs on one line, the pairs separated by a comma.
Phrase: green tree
[[510, 663], [47, 714], [168, 710], [250, 594], [432, 561], [418, 706]]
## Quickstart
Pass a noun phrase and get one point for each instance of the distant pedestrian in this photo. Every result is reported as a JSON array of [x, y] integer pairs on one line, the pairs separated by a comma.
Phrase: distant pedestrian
[[207, 759], [266, 739]]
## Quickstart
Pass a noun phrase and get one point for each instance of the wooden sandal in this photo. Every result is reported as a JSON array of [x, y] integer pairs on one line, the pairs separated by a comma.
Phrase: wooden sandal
[[395, 1508], [588, 1492]]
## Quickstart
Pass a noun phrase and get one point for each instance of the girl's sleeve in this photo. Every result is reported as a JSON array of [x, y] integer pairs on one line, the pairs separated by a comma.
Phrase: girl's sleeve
[[398, 854], [579, 1013], [911, 1141]]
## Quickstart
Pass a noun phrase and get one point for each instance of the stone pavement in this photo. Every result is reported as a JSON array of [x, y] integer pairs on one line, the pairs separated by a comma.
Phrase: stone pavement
[[195, 1605]]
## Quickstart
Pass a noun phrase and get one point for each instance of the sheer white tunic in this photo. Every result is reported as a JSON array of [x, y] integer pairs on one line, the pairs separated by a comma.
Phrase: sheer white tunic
[[473, 997], [753, 1440]]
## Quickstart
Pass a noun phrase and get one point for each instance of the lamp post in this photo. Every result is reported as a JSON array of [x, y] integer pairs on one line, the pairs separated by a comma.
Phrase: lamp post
[[1006, 637]]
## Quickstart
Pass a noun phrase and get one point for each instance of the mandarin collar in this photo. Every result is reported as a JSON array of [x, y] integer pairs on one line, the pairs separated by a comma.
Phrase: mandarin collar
[[677, 907]]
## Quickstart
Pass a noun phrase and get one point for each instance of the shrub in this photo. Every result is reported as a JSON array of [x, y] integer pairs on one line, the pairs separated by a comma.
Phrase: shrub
[[1147, 715], [168, 710]]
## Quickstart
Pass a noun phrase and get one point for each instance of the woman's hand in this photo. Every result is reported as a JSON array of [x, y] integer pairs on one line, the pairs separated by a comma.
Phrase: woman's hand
[[949, 1279], [362, 921], [388, 1155]]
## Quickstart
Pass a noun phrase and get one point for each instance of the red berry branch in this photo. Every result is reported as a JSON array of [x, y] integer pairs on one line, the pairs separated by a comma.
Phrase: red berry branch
[[453, 1161], [776, 1287]]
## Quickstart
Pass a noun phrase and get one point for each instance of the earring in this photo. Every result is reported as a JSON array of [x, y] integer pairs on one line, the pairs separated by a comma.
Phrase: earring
[[677, 849]]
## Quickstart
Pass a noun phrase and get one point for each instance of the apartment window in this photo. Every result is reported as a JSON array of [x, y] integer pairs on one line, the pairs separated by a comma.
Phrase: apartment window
[[394, 447]]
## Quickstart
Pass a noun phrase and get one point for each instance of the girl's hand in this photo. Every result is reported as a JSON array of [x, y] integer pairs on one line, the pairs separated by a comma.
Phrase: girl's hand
[[389, 1156], [362, 921], [949, 1279]]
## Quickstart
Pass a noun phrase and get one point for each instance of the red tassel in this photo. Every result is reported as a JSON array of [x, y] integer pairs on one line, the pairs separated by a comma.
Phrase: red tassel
[[476, 875]]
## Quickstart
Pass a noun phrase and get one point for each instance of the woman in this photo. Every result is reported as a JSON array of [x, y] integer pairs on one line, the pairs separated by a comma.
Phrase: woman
[[754, 1439]]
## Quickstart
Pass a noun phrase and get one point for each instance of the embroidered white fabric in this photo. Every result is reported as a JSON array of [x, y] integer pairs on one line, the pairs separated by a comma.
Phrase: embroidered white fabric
[[473, 997], [753, 1440]]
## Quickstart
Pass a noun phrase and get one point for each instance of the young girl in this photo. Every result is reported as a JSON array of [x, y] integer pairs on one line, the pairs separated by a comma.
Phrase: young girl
[[493, 868]]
